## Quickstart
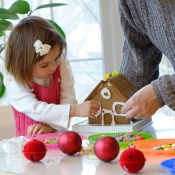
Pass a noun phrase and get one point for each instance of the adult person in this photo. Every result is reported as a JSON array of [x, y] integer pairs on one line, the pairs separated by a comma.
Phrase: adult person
[[149, 31]]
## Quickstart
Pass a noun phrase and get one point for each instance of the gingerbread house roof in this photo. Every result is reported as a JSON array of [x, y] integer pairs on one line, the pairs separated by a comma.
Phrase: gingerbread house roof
[[119, 83]]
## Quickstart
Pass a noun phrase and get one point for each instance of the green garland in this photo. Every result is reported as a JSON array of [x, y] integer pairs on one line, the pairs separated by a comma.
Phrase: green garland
[[2, 87]]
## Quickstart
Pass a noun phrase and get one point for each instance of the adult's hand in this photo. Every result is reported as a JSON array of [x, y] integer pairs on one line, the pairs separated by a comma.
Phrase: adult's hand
[[142, 104]]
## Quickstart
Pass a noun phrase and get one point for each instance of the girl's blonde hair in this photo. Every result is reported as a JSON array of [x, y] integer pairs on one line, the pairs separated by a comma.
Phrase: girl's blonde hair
[[20, 54]]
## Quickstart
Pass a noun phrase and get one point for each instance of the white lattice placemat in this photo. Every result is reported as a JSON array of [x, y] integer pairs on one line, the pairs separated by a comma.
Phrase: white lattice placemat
[[84, 127]]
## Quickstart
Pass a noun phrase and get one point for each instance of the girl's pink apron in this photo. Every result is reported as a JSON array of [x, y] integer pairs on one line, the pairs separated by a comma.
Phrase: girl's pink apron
[[49, 95]]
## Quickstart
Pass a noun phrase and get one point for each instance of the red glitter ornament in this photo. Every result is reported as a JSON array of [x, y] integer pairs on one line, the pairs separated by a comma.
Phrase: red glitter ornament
[[70, 142], [34, 150], [132, 160], [106, 148]]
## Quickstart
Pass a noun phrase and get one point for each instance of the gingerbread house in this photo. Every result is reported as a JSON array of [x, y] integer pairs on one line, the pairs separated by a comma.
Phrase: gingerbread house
[[112, 93]]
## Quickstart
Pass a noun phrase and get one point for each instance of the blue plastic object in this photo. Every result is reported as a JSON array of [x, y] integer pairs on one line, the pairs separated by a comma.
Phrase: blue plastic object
[[169, 165]]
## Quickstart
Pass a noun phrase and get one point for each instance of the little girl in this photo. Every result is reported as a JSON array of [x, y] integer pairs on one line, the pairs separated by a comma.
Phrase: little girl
[[39, 81]]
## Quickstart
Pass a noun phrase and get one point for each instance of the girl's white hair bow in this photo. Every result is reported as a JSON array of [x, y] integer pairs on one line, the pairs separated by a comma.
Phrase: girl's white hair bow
[[41, 48]]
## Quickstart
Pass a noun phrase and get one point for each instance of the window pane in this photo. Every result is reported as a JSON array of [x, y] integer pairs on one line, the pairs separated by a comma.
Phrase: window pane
[[87, 75], [80, 21]]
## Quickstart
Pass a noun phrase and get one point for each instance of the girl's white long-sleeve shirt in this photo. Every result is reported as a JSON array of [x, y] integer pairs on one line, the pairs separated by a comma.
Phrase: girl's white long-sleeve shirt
[[56, 115]]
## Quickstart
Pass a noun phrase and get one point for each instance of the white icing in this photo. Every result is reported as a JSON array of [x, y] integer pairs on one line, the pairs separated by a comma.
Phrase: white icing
[[99, 111], [106, 111], [112, 112], [109, 84], [105, 93], [113, 108]]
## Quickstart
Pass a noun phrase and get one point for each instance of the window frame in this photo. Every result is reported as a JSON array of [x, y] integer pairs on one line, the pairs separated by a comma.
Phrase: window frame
[[112, 35]]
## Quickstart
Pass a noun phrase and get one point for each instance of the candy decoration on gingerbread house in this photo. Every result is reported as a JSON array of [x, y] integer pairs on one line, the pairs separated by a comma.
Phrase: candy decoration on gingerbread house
[[112, 93]]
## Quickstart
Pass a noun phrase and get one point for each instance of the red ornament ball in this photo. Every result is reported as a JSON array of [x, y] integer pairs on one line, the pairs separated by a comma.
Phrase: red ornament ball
[[106, 148], [132, 160], [70, 142], [34, 150]]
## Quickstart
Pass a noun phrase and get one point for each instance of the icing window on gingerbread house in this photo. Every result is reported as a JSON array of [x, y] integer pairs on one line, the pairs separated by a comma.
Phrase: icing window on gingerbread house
[[106, 111], [114, 108], [106, 93]]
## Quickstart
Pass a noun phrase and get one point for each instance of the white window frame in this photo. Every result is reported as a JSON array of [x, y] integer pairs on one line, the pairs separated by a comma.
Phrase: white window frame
[[112, 35]]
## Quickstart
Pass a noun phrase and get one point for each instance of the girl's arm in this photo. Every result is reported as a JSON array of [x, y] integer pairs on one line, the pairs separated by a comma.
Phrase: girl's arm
[[23, 100]]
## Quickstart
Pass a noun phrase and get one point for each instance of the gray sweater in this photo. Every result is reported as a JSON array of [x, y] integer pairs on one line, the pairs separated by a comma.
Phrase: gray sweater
[[149, 30]]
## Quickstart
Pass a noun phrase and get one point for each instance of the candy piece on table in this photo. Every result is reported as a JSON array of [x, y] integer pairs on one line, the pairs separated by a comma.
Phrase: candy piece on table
[[106, 148], [132, 160], [34, 150], [130, 135], [120, 138], [126, 139], [53, 140], [168, 146], [139, 137], [117, 135], [70, 142], [132, 139]]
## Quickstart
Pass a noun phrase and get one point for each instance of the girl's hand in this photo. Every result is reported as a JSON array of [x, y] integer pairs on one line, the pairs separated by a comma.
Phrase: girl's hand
[[85, 109], [142, 104], [39, 129]]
